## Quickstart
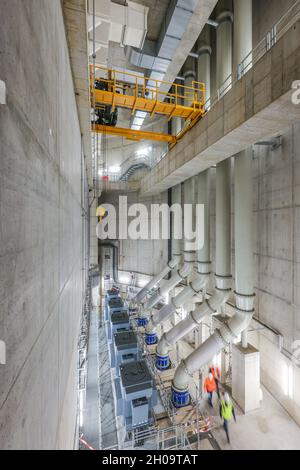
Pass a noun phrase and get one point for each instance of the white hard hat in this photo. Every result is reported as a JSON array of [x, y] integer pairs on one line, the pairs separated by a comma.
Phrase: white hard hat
[[227, 398]]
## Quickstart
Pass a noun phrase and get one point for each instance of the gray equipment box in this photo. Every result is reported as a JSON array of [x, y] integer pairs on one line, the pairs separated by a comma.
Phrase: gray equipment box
[[119, 321], [123, 349], [136, 394]]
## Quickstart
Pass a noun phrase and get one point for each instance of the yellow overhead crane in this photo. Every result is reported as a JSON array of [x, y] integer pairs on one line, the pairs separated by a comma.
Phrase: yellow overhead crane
[[118, 89]]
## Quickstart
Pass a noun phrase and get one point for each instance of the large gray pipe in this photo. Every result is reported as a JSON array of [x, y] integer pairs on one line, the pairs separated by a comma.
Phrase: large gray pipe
[[176, 255], [244, 279], [189, 254], [244, 270], [223, 263], [203, 260]]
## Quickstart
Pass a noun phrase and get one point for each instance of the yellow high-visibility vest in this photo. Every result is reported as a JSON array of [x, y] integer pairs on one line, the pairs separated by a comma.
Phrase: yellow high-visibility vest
[[226, 410]]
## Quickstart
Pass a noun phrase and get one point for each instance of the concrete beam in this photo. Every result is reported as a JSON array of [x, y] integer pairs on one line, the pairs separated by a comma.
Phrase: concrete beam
[[196, 25], [75, 17], [257, 107], [129, 186]]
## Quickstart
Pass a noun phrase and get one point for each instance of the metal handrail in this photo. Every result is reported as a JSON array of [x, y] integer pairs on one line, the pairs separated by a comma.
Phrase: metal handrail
[[290, 17], [147, 87]]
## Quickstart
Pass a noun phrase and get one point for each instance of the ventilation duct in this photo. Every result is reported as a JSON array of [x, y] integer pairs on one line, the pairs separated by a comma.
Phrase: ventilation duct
[[125, 25], [157, 56]]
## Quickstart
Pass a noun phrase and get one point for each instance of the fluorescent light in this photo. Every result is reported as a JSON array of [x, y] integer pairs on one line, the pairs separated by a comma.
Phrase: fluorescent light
[[143, 151], [135, 127], [141, 114], [114, 169], [138, 121]]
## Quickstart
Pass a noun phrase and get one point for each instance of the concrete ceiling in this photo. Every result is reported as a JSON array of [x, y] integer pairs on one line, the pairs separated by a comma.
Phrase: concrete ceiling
[[156, 16]]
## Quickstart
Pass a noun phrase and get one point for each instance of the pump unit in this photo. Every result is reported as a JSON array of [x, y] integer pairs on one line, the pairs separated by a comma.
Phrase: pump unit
[[110, 294], [135, 395], [119, 321], [114, 305], [123, 349]]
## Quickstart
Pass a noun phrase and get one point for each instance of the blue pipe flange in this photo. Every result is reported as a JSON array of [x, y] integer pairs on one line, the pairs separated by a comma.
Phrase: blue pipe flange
[[151, 338], [162, 362], [180, 398], [142, 321]]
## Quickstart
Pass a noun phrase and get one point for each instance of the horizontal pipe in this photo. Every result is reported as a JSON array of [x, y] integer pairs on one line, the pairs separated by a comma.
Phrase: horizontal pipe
[[212, 346], [193, 288], [178, 277], [193, 319], [156, 279]]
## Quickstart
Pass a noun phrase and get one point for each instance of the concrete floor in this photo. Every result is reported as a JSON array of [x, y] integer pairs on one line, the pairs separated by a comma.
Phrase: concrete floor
[[91, 414], [270, 428]]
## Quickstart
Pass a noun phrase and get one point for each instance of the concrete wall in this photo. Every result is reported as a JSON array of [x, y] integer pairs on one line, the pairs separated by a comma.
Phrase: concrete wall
[[266, 14], [41, 229], [142, 256], [277, 256]]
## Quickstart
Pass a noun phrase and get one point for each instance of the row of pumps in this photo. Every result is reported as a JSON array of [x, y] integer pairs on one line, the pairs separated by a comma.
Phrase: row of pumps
[[192, 270], [134, 386]]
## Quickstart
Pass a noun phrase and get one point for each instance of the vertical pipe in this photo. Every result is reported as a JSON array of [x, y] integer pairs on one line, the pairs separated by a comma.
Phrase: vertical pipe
[[223, 218], [203, 197], [224, 51], [243, 42], [171, 228], [176, 243], [204, 52], [189, 73], [244, 269], [176, 123]]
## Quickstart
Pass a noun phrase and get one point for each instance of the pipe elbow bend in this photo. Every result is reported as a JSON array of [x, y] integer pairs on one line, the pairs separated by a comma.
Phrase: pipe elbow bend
[[163, 347], [150, 328], [181, 377]]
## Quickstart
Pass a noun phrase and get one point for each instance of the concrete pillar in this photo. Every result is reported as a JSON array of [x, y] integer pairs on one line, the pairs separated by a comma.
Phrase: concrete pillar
[[204, 52], [243, 41], [93, 236], [224, 51], [246, 377], [177, 122]]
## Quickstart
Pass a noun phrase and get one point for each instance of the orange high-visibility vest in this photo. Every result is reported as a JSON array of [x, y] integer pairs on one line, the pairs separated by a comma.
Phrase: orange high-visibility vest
[[210, 385]]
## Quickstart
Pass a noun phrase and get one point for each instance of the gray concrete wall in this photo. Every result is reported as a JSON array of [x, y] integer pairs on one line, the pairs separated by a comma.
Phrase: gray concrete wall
[[277, 257], [141, 256], [266, 14], [41, 229]]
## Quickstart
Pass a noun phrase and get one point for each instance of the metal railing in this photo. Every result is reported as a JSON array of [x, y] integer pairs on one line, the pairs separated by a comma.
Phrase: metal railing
[[285, 23], [125, 83]]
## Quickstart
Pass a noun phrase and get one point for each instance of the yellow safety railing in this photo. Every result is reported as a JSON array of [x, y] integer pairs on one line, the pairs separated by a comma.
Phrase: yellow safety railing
[[157, 91]]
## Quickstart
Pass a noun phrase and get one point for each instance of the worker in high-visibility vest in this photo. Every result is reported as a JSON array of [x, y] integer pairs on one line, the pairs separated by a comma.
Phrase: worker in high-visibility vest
[[216, 373], [226, 413], [210, 387]]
